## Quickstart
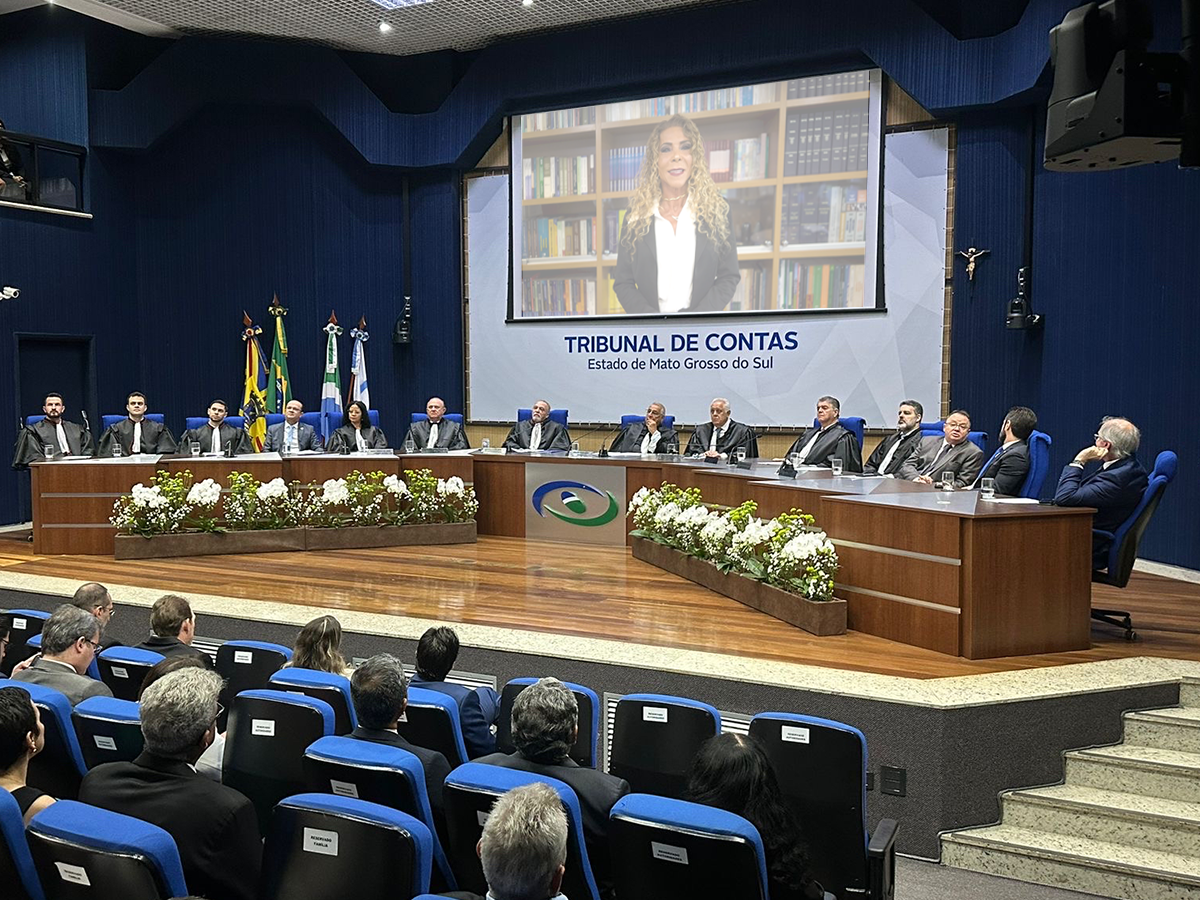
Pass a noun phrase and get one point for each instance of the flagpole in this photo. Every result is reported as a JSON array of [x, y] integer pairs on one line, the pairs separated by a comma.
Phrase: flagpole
[[359, 389], [331, 385]]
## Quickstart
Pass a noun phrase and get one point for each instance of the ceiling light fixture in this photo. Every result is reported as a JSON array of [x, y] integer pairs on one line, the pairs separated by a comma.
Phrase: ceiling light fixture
[[399, 4], [384, 27], [527, 3]]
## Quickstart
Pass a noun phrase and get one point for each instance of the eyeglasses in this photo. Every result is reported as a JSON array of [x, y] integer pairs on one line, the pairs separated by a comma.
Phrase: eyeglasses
[[956, 427], [111, 610], [95, 647], [220, 712]]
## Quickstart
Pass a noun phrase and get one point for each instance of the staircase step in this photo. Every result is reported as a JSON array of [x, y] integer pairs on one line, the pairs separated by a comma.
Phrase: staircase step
[[1189, 692], [1169, 729], [1073, 863], [1134, 769], [1110, 816]]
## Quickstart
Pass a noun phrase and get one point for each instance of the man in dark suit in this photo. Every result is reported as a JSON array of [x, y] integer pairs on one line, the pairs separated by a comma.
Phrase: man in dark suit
[[545, 720], [648, 435], [136, 433], [894, 449], [954, 455], [379, 691], [828, 440], [66, 438], [720, 435], [95, 599], [70, 641], [1114, 489], [214, 435], [291, 434], [1009, 465], [437, 430], [214, 826], [477, 708], [173, 626], [539, 432]]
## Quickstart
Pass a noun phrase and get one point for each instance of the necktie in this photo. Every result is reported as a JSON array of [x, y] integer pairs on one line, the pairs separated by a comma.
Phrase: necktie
[[808, 447], [712, 445], [136, 445], [984, 471], [216, 439], [433, 435], [933, 464], [887, 458], [290, 440], [61, 433], [535, 437]]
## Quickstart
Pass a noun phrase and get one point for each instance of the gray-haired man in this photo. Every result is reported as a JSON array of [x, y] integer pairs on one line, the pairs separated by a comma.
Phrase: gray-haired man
[[70, 641]]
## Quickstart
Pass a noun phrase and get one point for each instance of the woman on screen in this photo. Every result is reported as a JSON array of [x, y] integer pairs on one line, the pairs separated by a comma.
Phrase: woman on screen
[[676, 253], [358, 433]]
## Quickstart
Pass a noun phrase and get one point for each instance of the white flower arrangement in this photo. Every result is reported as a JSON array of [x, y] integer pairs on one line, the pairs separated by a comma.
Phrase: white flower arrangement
[[395, 485], [334, 491], [274, 489], [206, 493]]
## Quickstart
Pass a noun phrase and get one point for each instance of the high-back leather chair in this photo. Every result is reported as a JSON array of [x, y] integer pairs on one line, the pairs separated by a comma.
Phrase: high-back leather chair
[[654, 739], [108, 730]]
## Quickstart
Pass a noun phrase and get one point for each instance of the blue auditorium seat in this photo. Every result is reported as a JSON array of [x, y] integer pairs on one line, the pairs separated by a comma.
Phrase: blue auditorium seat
[[17, 872], [378, 773], [453, 417], [83, 851], [274, 419], [25, 624], [108, 421], [333, 689], [322, 846], [556, 415], [626, 421], [265, 742], [585, 751], [431, 721], [821, 766], [60, 767], [248, 666], [936, 429], [1039, 465], [854, 424], [671, 848], [238, 422], [108, 730], [470, 792], [124, 669], [655, 738]]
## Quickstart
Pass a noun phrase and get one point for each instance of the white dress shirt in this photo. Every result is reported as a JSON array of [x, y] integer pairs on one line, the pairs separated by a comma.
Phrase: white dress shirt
[[676, 252], [887, 457], [804, 451], [535, 436], [216, 439], [433, 435], [290, 440], [716, 435], [650, 441], [61, 433], [358, 439]]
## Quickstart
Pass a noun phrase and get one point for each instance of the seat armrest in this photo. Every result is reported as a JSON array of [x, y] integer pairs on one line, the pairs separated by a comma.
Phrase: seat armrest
[[881, 860], [1102, 533]]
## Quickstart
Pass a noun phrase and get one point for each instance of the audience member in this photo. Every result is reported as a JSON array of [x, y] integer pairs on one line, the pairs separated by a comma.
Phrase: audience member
[[436, 652], [319, 646], [379, 690], [731, 772], [5, 634], [95, 598], [22, 737], [209, 763], [70, 641], [524, 846], [172, 627], [545, 721], [214, 826]]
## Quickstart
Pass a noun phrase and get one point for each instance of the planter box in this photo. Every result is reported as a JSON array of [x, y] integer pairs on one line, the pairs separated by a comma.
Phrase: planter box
[[134, 546], [820, 617], [360, 537]]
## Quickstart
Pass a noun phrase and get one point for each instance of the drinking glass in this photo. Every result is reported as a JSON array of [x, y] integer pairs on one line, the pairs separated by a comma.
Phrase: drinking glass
[[947, 482], [485, 444], [739, 454], [794, 459], [48, 449], [195, 448], [410, 446], [987, 488], [836, 465], [116, 450], [574, 449]]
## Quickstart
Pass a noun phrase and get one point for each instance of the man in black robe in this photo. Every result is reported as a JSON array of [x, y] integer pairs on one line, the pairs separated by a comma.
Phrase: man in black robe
[[214, 435], [67, 438], [539, 432], [894, 449], [720, 436], [136, 433], [437, 431], [828, 440], [648, 435]]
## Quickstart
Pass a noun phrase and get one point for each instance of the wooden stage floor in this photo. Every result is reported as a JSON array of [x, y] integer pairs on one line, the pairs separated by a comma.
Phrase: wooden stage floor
[[595, 592]]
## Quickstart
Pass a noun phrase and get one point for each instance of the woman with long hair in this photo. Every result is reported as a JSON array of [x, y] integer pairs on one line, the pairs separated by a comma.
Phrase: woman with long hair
[[731, 772], [357, 432], [22, 737], [319, 646], [676, 252]]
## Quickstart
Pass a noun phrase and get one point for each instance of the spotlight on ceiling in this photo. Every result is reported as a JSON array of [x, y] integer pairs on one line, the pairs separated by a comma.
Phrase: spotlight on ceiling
[[384, 27], [527, 3]]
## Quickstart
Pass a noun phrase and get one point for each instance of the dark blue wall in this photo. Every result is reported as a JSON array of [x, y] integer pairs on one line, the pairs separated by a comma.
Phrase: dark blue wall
[[224, 171]]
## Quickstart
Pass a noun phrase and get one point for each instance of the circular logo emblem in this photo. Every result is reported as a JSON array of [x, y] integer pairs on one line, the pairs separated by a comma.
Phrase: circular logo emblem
[[577, 500]]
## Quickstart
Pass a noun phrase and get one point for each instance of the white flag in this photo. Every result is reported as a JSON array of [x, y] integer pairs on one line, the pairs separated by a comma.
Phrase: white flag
[[359, 389]]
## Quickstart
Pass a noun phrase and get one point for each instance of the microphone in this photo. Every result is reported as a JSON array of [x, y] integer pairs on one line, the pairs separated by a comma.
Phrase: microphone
[[606, 428], [229, 449], [87, 425]]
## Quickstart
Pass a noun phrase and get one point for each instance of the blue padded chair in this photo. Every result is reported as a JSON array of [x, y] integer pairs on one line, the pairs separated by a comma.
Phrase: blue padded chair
[[74, 845], [556, 415], [108, 730], [935, 429], [1128, 536], [377, 773], [431, 721], [1039, 465], [17, 872], [453, 417], [470, 792], [248, 666], [34, 645], [25, 624], [822, 770], [854, 424], [671, 848], [60, 767], [265, 742], [585, 752], [655, 738], [238, 422], [33, 420], [124, 669], [107, 422], [333, 689], [274, 419], [322, 847], [626, 421]]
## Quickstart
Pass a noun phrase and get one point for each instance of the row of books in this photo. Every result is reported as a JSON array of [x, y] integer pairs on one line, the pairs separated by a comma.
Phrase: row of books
[[558, 176], [805, 285], [697, 101], [548, 237], [753, 291], [558, 296], [832, 140], [823, 213], [559, 118], [738, 160], [826, 85], [614, 220], [624, 163]]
